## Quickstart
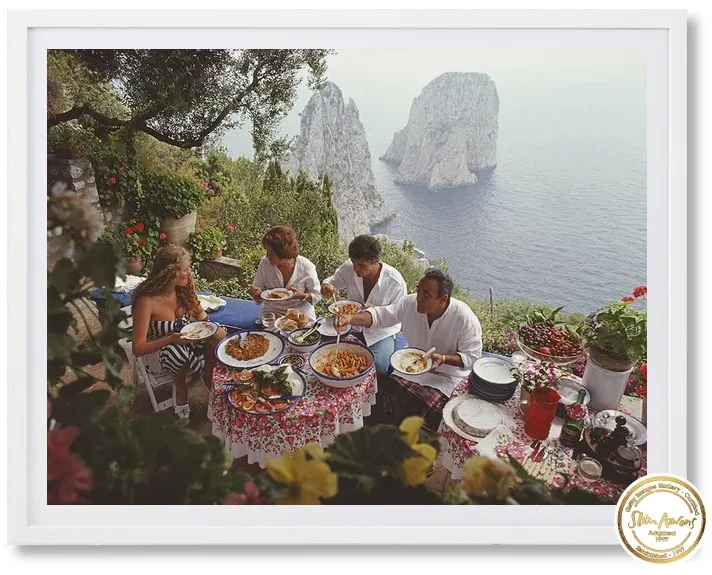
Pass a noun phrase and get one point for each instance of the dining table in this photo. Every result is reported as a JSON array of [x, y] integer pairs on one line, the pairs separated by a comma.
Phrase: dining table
[[319, 416], [513, 442]]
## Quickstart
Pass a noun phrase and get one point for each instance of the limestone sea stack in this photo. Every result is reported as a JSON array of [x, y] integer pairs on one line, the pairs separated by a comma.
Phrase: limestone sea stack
[[332, 140], [451, 133]]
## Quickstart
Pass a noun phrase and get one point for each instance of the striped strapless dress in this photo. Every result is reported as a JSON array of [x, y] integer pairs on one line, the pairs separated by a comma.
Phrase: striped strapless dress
[[173, 357]]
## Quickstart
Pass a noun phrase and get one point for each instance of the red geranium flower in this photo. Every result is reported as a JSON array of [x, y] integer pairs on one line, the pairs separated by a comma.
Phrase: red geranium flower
[[640, 291], [627, 298], [112, 180], [139, 227], [121, 170], [162, 236], [67, 475], [142, 241], [129, 231], [644, 371]]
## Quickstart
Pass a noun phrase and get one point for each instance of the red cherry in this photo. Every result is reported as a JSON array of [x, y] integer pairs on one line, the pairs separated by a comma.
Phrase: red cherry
[[545, 350]]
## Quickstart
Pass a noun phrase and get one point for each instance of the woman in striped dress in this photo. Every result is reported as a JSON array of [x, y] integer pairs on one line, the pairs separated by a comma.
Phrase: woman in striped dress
[[161, 306]]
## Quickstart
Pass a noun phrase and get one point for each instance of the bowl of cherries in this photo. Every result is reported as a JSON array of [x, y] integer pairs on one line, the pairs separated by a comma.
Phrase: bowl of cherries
[[542, 338]]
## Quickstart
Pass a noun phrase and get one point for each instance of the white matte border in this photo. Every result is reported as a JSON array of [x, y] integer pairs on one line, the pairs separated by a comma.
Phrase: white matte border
[[31, 521]]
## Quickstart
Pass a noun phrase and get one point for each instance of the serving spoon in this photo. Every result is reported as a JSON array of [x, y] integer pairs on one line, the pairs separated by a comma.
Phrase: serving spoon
[[301, 338], [426, 355]]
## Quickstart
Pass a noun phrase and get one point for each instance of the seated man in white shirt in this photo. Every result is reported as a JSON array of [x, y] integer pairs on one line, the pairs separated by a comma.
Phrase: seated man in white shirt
[[371, 282], [430, 318]]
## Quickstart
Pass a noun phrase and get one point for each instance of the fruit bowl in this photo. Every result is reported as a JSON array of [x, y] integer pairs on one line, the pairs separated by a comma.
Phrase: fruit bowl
[[538, 356]]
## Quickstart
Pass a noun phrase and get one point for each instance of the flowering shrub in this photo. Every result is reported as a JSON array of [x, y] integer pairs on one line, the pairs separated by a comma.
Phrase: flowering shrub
[[637, 385], [205, 242], [140, 240], [531, 375], [171, 194], [619, 330]]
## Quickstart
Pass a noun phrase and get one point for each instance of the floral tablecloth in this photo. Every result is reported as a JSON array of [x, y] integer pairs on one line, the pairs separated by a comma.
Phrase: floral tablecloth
[[456, 449], [319, 417]]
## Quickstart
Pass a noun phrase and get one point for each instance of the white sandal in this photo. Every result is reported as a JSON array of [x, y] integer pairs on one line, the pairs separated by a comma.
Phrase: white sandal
[[182, 411]]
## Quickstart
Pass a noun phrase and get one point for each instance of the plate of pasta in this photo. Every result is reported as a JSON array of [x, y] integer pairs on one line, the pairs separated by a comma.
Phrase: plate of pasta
[[345, 307], [252, 350], [354, 362]]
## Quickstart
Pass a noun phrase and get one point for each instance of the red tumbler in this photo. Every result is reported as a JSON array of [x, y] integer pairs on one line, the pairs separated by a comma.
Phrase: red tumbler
[[542, 408]]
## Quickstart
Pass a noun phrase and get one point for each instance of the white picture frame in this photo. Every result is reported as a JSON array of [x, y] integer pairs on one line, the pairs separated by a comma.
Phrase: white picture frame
[[662, 34]]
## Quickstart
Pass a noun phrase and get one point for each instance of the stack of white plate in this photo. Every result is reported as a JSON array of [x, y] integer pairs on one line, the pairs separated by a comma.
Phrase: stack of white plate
[[491, 379]]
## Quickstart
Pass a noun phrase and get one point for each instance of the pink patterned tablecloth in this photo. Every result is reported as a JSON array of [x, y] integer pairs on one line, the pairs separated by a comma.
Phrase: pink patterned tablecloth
[[456, 450], [319, 417]]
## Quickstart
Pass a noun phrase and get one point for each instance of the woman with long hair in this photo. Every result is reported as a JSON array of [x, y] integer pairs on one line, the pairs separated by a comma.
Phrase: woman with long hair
[[162, 305]]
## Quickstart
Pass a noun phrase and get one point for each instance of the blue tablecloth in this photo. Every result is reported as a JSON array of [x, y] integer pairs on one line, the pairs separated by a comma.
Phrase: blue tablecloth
[[237, 313]]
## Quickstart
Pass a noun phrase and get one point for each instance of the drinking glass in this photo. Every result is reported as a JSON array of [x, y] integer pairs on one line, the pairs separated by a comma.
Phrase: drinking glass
[[541, 411], [268, 319]]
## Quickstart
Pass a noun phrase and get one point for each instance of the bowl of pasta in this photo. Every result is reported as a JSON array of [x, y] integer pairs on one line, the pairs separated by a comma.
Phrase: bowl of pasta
[[353, 364]]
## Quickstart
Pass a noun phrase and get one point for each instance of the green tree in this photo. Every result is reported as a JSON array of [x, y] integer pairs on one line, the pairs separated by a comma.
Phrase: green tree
[[182, 97]]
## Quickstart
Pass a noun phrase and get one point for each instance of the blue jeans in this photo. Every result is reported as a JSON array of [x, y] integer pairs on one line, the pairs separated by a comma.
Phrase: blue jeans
[[383, 350]]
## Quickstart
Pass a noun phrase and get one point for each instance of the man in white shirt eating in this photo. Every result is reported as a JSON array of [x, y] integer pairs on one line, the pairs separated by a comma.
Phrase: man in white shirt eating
[[370, 282], [430, 318]]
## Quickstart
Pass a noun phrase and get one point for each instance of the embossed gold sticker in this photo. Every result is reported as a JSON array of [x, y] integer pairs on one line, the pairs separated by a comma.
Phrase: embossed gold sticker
[[660, 519]]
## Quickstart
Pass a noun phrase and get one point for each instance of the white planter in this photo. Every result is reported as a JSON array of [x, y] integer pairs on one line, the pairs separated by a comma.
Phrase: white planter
[[605, 386]]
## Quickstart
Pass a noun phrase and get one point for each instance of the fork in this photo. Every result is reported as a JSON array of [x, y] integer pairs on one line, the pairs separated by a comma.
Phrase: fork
[[243, 338]]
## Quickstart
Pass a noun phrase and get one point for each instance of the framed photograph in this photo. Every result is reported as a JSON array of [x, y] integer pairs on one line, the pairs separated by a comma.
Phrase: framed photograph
[[533, 159]]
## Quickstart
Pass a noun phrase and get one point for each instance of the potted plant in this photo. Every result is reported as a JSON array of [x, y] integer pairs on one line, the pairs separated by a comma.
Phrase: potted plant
[[139, 242], [174, 199], [531, 375], [616, 337], [207, 243]]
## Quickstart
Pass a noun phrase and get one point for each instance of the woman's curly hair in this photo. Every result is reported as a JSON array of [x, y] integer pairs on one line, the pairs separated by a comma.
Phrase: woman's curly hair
[[169, 260]]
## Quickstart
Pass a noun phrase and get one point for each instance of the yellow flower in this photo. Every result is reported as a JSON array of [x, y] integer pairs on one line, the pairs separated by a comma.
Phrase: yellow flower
[[306, 475], [414, 468], [410, 427], [483, 476]]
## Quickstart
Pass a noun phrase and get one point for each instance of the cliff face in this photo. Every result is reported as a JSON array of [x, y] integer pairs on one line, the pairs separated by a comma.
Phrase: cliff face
[[451, 133], [333, 141]]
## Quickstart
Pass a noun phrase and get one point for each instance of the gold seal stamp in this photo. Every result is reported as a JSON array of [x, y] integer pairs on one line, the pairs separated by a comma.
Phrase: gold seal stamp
[[660, 519]]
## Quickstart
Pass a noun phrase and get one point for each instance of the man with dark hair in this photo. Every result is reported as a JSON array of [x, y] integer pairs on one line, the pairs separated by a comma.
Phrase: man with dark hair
[[371, 282], [430, 318]]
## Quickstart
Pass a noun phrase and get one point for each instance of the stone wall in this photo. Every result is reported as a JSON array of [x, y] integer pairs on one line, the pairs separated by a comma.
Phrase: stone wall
[[221, 268]]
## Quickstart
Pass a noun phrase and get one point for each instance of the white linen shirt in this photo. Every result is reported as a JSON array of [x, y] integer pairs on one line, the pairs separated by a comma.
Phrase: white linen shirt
[[303, 278], [390, 288], [457, 331]]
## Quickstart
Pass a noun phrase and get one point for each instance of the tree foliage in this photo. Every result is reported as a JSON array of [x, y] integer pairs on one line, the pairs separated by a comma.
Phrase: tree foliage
[[181, 97]]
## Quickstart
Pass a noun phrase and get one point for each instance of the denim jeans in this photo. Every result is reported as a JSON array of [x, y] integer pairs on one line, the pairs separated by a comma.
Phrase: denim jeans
[[383, 350]]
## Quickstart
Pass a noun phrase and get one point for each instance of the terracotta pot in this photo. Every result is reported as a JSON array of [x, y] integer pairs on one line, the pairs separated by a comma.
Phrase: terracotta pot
[[133, 266], [178, 230]]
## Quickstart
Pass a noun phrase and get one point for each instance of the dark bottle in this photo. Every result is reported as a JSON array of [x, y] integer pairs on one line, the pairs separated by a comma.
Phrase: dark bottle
[[573, 428]]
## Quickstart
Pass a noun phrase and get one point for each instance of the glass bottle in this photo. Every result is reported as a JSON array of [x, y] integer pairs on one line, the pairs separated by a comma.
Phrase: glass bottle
[[573, 428]]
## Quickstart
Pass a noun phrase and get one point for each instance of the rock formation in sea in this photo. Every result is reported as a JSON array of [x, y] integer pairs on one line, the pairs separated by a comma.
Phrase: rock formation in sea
[[333, 141], [451, 133]]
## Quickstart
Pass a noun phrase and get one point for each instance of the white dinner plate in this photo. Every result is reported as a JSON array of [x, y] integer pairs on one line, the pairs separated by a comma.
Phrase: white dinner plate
[[507, 418], [270, 294], [401, 358], [199, 330], [336, 305], [275, 349], [327, 329]]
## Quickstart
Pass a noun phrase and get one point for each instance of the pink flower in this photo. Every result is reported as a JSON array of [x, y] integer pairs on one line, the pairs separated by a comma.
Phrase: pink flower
[[640, 291], [162, 236], [211, 192], [67, 476], [121, 170], [229, 227], [204, 185], [235, 499], [112, 180], [627, 298]]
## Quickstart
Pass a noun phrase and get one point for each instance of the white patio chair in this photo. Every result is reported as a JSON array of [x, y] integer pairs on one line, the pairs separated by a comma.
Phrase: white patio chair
[[147, 370]]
